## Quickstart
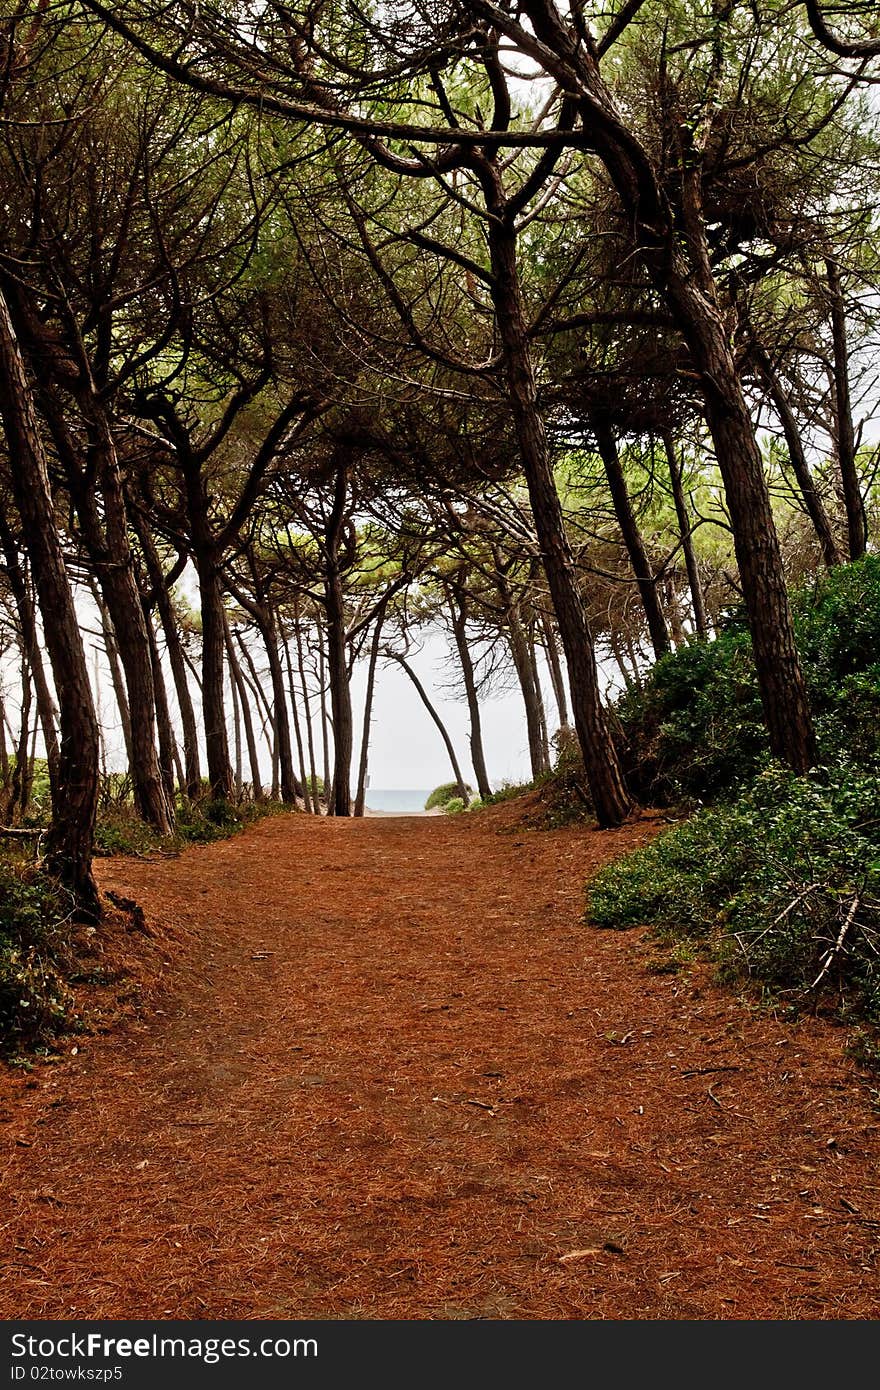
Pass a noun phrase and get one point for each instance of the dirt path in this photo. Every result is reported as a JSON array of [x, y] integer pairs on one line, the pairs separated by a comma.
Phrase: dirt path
[[396, 1077]]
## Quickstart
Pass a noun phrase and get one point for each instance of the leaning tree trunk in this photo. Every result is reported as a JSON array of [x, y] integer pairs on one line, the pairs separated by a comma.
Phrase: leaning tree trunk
[[30, 640], [632, 537], [460, 784], [340, 694], [458, 616], [239, 688], [557, 679], [174, 647], [70, 841], [844, 435], [605, 779], [361, 794], [800, 467], [307, 786], [685, 530], [780, 680], [169, 758], [220, 773], [290, 788]]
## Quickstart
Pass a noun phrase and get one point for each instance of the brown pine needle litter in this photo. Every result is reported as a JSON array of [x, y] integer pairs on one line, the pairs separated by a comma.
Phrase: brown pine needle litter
[[382, 1069]]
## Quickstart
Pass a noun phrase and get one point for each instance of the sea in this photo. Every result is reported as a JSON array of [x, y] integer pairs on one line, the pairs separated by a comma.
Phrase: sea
[[402, 801]]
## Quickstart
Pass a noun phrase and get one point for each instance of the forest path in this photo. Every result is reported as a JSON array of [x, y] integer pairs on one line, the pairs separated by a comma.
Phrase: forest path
[[395, 1076]]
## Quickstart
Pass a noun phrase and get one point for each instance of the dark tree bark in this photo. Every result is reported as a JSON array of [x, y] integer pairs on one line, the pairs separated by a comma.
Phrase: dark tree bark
[[844, 434], [307, 714], [213, 641], [92, 473], [554, 666], [602, 768], [117, 679], [169, 757], [322, 710], [375, 643], [460, 784], [31, 646], [524, 666], [239, 687], [161, 597], [458, 614], [307, 785], [260, 609], [685, 531], [632, 537], [19, 794], [70, 840], [539, 696], [801, 469]]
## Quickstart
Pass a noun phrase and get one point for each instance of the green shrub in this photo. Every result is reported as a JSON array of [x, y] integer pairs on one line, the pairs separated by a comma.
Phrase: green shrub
[[441, 796], [781, 886], [694, 729], [34, 1000]]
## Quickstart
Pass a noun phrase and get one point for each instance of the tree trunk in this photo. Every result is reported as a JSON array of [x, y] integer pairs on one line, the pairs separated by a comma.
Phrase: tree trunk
[[70, 840], [340, 693], [169, 759], [290, 788], [116, 677], [174, 647], [252, 679], [458, 616], [781, 683], [698, 606], [844, 435], [220, 773], [239, 688], [307, 714], [31, 646], [460, 784], [361, 795], [610, 799], [801, 469], [304, 773], [18, 794], [322, 707], [557, 680], [632, 537]]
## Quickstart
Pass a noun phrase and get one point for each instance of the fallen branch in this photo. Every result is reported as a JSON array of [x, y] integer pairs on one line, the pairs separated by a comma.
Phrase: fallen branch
[[838, 945]]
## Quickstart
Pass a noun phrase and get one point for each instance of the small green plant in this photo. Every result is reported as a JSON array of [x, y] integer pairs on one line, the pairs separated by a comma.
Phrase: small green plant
[[441, 796], [780, 887], [35, 1002]]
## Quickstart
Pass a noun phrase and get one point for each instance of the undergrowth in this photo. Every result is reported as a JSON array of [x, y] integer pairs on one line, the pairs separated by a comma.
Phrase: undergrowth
[[36, 934], [780, 887], [35, 1001], [775, 877]]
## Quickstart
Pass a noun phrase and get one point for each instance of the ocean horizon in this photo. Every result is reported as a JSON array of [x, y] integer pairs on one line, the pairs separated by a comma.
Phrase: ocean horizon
[[402, 800]]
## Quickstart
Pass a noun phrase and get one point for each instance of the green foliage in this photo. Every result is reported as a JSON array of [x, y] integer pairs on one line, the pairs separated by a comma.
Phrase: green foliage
[[34, 1001], [443, 795], [120, 830], [694, 730], [781, 886], [508, 791]]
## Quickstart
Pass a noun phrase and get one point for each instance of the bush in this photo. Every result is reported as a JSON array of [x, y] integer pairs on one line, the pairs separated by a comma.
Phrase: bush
[[781, 886], [441, 796], [34, 1001], [694, 730]]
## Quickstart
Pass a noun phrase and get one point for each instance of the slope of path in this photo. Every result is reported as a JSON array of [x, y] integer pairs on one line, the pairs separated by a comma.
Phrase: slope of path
[[396, 1077]]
